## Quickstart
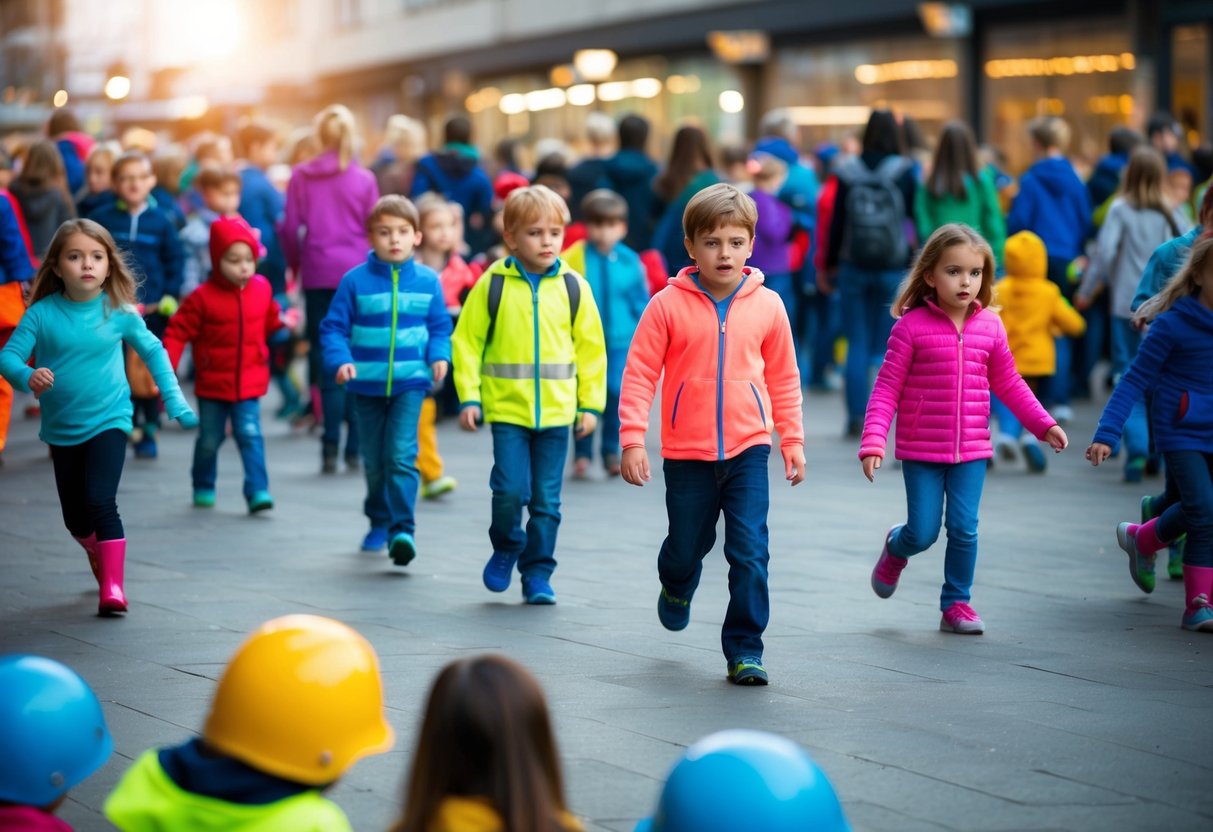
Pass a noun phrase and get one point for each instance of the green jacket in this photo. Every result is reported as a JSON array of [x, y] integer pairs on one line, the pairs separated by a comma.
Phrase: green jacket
[[979, 210]]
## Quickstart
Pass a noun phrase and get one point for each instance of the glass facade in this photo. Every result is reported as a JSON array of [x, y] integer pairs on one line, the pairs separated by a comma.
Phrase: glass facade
[[1191, 75]]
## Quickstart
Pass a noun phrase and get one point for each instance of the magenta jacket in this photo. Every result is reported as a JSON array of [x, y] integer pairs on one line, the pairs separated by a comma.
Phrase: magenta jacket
[[938, 382], [323, 231]]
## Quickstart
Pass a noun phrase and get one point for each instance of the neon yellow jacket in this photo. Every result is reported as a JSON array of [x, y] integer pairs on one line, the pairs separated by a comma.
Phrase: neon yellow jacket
[[147, 800], [540, 369]]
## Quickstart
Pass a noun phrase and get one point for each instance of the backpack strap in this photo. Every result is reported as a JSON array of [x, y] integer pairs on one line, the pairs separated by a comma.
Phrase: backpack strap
[[497, 284], [893, 167], [574, 290]]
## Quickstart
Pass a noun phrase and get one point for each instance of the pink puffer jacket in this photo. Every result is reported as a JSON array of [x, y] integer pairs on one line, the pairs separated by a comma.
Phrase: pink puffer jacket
[[938, 382]]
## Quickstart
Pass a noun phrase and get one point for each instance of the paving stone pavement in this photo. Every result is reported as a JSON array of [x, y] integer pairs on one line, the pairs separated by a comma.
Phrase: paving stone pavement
[[1084, 706]]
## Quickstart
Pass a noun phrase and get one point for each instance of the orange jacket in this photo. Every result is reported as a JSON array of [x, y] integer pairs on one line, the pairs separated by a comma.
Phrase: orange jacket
[[726, 382]]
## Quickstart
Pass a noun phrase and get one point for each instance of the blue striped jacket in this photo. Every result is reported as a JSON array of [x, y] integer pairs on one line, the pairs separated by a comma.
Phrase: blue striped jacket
[[391, 323]]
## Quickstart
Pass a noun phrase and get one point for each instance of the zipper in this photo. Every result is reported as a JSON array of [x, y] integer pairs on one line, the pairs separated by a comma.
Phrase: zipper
[[239, 338], [960, 377], [758, 398], [391, 351], [535, 325], [606, 295], [677, 398]]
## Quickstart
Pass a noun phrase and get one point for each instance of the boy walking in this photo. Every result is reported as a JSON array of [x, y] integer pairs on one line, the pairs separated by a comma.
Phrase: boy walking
[[529, 359], [387, 336], [725, 346]]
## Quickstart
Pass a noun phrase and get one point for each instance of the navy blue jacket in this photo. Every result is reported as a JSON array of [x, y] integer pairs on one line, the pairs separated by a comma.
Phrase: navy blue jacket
[[262, 206], [15, 264], [631, 176], [150, 242], [1053, 203]]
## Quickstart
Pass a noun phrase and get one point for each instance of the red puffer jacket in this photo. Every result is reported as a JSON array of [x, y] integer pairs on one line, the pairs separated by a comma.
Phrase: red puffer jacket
[[228, 327]]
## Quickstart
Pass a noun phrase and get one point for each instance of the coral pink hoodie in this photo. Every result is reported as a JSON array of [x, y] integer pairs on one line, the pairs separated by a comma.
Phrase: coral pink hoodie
[[938, 382], [726, 382]]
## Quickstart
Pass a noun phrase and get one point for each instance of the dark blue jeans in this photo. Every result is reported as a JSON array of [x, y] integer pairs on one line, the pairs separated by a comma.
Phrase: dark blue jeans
[[866, 322], [695, 495], [1193, 475], [528, 470], [387, 429], [86, 476], [927, 484], [335, 408], [213, 417]]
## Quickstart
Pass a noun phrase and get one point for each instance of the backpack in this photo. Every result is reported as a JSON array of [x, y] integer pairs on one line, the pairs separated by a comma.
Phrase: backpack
[[497, 284], [874, 236]]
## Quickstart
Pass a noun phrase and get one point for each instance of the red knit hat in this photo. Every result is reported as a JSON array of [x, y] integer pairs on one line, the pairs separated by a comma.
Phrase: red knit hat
[[226, 232]]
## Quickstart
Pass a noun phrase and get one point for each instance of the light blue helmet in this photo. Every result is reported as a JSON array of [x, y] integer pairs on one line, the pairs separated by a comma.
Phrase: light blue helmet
[[746, 780], [52, 731]]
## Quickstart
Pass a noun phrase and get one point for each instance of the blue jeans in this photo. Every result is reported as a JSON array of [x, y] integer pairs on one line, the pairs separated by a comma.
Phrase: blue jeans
[[1125, 342], [927, 484], [528, 470], [213, 417], [1193, 475], [695, 494], [608, 427], [387, 428], [820, 314], [866, 323], [335, 408]]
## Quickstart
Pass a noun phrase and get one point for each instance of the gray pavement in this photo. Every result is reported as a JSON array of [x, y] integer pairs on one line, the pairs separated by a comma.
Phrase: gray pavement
[[1084, 706]]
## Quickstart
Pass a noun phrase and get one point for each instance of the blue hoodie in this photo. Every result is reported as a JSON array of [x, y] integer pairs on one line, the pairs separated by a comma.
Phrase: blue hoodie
[[456, 174], [1105, 179], [1053, 204], [1163, 265], [631, 174], [262, 207]]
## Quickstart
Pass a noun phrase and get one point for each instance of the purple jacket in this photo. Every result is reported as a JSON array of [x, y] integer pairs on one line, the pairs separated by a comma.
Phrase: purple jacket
[[772, 236], [323, 232], [938, 382]]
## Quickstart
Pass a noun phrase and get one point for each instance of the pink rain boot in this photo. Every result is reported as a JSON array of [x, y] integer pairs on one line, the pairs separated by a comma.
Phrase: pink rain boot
[[111, 560], [89, 545], [1198, 592]]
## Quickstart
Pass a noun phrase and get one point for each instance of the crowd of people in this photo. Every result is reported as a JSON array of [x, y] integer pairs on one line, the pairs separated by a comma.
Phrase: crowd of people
[[551, 305]]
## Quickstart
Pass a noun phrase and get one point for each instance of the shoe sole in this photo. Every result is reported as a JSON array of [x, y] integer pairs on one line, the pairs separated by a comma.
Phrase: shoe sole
[[1135, 558], [961, 630], [541, 600], [260, 507], [402, 554], [671, 623], [438, 492], [752, 678]]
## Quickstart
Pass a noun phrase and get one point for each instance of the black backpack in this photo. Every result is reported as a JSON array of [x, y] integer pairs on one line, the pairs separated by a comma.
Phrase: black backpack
[[497, 284], [875, 234]]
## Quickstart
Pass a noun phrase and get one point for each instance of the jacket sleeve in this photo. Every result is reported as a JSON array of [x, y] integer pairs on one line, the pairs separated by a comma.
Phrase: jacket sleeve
[[838, 220], [18, 350], [467, 344], [135, 333], [646, 358], [292, 220], [421, 181], [589, 347], [1146, 366], [1157, 272], [173, 259], [336, 327], [993, 225], [1106, 249], [1013, 391], [1023, 207], [1065, 317], [782, 378], [184, 326], [438, 322], [886, 392], [15, 263], [924, 216]]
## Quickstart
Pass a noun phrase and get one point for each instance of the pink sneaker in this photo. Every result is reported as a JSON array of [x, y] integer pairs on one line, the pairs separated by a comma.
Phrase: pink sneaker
[[888, 569], [960, 618]]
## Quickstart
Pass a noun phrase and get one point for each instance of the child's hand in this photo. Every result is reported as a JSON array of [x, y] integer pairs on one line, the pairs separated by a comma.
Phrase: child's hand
[[1098, 452], [291, 318], [635, 466], [793, 464], [870, 464], [41, 381], [586, 424], [346, 372], [1057, 439], [1082, 303], [469, 417], [188, 419], [439, 369]]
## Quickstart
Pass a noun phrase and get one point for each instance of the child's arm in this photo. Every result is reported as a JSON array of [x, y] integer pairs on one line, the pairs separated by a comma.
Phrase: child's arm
[[467, 348], [438, 322], [1106, 248], [1013, 391], [18, 350], [1146, 366], [135, 333], [1066, 317], [886, 393], [335, 330], [173, 258], [1023, 208], [646, 358], [782, 379], [15, 263], [273, 317], [183, 327], [589, 349]]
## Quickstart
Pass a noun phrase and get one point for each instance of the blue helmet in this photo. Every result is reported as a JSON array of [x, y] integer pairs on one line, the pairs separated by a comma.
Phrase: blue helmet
[[746, 780], [51, 729]]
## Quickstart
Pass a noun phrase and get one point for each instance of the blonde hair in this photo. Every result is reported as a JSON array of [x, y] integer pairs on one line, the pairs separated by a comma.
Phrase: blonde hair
[[718, 205], [432, 203], [1198, 267], [1050, 132], [406, 137], [915, 291], [535, 203], [120, 284], [334, 126], [1141, 185]]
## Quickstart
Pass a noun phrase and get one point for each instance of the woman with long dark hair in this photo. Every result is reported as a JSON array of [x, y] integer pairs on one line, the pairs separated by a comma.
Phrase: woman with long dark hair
[[688, 172], [957, 190]]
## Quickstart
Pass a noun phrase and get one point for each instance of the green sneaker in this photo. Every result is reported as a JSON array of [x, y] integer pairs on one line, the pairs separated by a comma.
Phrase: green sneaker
[[1147, 509], [259, 502], [204, 498], [748, 671], [434, 490], [1175, 559]]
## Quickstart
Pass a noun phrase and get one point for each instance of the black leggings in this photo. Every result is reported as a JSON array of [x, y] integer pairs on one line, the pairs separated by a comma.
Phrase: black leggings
[[87, 478]]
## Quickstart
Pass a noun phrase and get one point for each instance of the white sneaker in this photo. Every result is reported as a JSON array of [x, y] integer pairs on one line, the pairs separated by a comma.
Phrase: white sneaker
[[1005, 448], [1064, 414]]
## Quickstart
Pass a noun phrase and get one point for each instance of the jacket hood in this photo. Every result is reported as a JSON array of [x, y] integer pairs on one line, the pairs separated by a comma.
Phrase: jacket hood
[[1194, 314], [685, 279], [1025, 256], [1055, 173], [454, 163], [324, 165], [1111, 164], [631, 167], [778, 147]]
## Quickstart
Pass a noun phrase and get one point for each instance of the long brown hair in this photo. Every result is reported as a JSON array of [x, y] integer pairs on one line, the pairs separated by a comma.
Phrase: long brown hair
[[120, 284], [1198, 267], [915, 291], [690, 155], [955, 158], [1142, 183], [487, 735]]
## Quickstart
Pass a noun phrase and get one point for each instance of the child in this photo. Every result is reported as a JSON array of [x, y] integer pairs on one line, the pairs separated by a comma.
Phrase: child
[[147, 236], [98, 181], [486, 755], [227, 320], [618, 280], [773, 234], [81, 312], [722, 393], [947, 352], [746, 780], [387, 337], [55, 737], [530, 360], [1032, 310], [220, 192], [41, 188], [1173, 365], [299, 703], [16, 266]]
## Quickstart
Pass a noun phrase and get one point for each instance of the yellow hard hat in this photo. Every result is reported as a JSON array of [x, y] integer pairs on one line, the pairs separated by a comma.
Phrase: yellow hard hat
[[301, 699]]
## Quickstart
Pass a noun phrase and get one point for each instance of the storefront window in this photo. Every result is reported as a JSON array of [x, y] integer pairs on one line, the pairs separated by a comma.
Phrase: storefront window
[[1191, 73]]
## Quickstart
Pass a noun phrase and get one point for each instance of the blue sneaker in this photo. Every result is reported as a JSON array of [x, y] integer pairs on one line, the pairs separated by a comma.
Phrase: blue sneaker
[[1033, 455], [204, 498], [537, 591], [748, 670], [673, 612], [260, 501], [375, 539], [499, 571], [403, 549], [146, 448]]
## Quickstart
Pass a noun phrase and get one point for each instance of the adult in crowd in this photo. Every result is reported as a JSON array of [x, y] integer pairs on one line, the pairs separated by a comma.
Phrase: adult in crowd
[[590, 173], [404, 142], [688, 172], [631, 173], [455, 173], [958, 190]]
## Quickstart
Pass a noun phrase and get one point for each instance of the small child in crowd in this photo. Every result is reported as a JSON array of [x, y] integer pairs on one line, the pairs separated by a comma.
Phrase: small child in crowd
[[942, 403], [724, 344], [81, 313], [486, 755], [16, 266], [387, 337], [149, 238], [98, 180], [1173, 366], [55, 737], [41, 188], [530, 360], [1032, 311], [620, 286], [227, 320], [300, 702], [773, 233], [220, 192]]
